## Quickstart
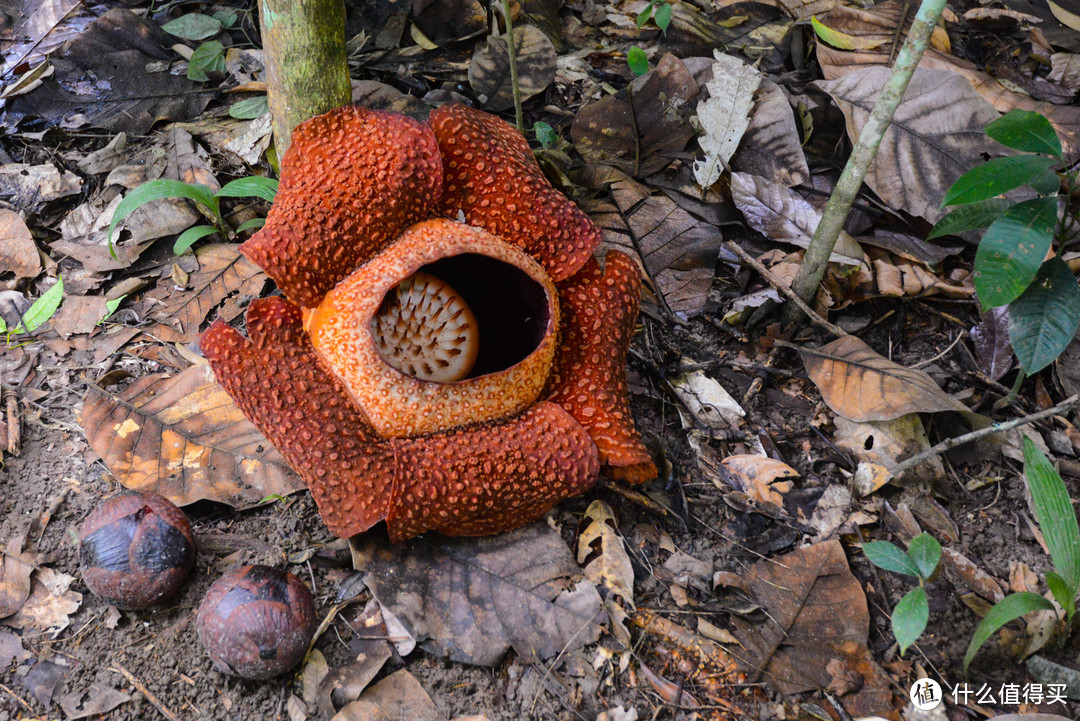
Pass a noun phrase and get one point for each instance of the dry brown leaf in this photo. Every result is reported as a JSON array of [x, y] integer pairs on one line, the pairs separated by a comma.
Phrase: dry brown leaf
[[26, 187], [18, 254], [1065, 69], [759, 477], [470, 599], [398, 696], [50, 604], [813, 604], [603, 557], [489, 71], [884, 444], [79, 314], [771, 146], [863, 385], [15, 571], [182, 436], [223, 272]]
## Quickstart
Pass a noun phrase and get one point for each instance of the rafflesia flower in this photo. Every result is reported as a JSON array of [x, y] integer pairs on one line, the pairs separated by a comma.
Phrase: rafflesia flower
[[448, 354]]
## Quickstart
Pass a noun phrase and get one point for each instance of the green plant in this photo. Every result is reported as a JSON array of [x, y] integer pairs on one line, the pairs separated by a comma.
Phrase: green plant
[[39, 313], [210, 55], [208, 200], [911, 613], [659, 11], [1057, 520], [545, 133], [636, 59], [1010, 265]]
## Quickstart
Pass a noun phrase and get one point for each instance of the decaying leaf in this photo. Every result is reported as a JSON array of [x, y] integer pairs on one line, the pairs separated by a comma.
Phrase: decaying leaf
[[603, 557], [935, 136], [50, 604], [759, 477], [489, 71], [897, 277], [398, 696], [863, 385], [470, 599], [95, 700], [725, 115], [15, 571], [183, 437], [711, 405], [677, 250], [771, 146], [223, 272], [993, 349], [886, 443], [1065, 69], [642, 134], [26, 187], [18, 254]]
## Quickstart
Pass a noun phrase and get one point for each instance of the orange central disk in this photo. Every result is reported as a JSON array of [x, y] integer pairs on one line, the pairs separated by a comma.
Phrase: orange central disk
[[448, 326]]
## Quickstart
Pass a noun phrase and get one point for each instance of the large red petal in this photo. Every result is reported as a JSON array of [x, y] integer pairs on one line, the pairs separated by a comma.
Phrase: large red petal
[[491, 477], [352, 180], [277, 381], [491, 176], [589, 378]]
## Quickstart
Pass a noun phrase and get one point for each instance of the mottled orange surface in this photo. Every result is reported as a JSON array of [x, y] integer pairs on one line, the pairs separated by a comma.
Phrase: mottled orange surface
[[480, 455]]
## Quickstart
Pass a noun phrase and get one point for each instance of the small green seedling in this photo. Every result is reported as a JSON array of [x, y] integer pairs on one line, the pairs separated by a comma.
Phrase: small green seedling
[[209, 56], [1057, 521], [39, 313], [636, 59], [545, 134], [921, 561], [208, 200], [1010, 265], [659, 11]]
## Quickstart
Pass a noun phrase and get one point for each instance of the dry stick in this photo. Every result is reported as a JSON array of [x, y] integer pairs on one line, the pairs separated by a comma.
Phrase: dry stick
[[11, 405], [141, 688], [950, 443], [847, 187], [785, 290]]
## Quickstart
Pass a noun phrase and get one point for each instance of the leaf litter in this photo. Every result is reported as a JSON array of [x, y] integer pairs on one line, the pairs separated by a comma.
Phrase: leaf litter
[[741, 477]]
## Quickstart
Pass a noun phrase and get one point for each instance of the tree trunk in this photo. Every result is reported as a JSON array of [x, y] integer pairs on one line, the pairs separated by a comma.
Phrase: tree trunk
[[306, 72]]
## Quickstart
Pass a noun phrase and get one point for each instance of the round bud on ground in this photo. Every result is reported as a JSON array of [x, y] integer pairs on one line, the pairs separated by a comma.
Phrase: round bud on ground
[[136, 550], [256, 622]]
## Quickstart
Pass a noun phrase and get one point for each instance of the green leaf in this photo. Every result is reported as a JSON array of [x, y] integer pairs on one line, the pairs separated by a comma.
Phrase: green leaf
[[909, 618], [635, 58], [251, 187], [1054, 513], [1046, 183], [925, 552], [187, 239], [1043, 321], [995, 177], [42, 309], [193, 26], [644, 15], [890, 557], [227, 17], [1064, 595], [1027, 131], [207, 58], [251, 224], [971, 216], [3, 325], [1007, 609], [1012, 250], [249, 108], [544, 133], [110, 307], [663, 17], [156, 190]]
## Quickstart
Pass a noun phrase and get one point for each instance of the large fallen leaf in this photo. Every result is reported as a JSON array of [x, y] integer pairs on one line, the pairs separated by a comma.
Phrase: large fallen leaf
[[677, 250], [725, 115], [26, 187], [642, 129], [223, 272], [470, 599], [18, 254], [603, 557], [489, 71], [814, 604], [935, 137], [862, 385], [771, 146], [397, 697], [183, 437]]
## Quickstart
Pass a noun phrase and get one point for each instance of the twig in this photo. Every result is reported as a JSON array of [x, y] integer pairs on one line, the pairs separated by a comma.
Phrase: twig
[[785, 290], [950, 443], [515, 88], [11, 405], [16, 697], [141, 688]]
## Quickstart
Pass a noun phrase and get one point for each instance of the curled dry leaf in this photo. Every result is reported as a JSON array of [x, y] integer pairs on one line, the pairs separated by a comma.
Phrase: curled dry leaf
[[489, 71], [470, 599], [603, 557], [862, 385], [18, 254], [182, 436], [223, 272], [759, 476], [725, 115]]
